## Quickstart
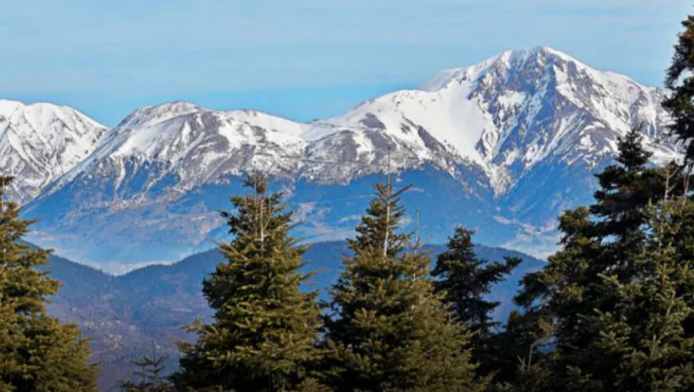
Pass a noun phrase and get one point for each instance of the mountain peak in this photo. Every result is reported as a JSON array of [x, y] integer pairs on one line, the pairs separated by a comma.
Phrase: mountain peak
[[178, 106], [545, 51], [153, 114], [536, 53], [10, 107], [7, 107], [538, 56], [521, 108], [42, 141]]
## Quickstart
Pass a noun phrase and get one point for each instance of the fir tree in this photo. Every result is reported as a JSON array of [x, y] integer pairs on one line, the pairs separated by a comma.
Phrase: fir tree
[[562, 294], [603, 240], [464, 281], [626, 188], [521, 354], [149, 374], [645, 331], [391, 331], [265, 327], [680, 80], [37, 352]]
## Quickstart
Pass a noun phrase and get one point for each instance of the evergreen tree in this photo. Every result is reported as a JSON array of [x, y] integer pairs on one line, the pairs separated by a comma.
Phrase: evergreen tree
[[521, 354], [149, 374], [626, 188], [603, 240], [464, 281], [680, 105], [680, 80], [37, 352], [265, 327], [645, 331], [562, 294], [391, 331]]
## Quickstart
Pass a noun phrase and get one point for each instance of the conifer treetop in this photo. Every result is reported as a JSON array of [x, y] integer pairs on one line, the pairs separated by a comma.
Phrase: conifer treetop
[[680, 80], [265, 326], [378, 228], [391, 332]]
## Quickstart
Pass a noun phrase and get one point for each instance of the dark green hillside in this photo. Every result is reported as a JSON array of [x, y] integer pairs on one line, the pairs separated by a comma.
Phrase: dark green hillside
[[124, 314]]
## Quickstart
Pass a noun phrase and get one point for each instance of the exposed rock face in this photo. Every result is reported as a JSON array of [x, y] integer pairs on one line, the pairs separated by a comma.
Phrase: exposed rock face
[[503, 146], [41, 142]]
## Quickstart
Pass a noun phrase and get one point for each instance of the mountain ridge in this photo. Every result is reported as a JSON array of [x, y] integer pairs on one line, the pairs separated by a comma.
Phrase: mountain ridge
[[511, 143], [41, 142], [364, 117]]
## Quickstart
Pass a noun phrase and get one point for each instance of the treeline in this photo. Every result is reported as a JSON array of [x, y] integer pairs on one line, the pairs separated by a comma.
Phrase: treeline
[[613, 309]]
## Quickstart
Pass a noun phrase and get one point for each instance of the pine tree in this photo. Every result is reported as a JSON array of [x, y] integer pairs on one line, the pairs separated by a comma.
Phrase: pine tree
[[562, 294], [603, 240], [391, 331], [464, 281], [149, 374], [37, 352], [265, 327], [521, 354], [645, 331], [680, 80], [626, 188]]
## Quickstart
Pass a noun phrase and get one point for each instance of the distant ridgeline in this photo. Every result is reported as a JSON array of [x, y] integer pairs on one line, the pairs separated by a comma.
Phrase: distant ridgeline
[[123, 314], [503, 147]]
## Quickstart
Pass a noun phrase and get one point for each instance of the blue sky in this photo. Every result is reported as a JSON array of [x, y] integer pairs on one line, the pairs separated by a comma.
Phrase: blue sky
[[301, 59]]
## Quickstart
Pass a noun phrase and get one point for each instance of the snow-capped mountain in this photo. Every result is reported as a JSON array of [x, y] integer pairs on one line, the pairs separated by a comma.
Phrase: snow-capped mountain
[[192, 146], [502, 146], [199, 146], [537, 122], [41, 142], [521, 108]]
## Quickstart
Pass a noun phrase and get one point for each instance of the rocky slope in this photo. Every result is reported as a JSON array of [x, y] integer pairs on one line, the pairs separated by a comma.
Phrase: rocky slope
[[41, 142], [503, 146]]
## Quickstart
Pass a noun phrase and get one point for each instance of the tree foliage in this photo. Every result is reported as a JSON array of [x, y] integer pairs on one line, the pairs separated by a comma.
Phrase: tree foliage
[[599, 291], [265, 327], [37, 352], [391, 331], [149, 374], [680, 80], [464, 281]]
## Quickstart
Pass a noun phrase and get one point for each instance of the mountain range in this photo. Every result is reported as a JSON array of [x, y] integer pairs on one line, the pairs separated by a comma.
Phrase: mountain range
[[502, 146]]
